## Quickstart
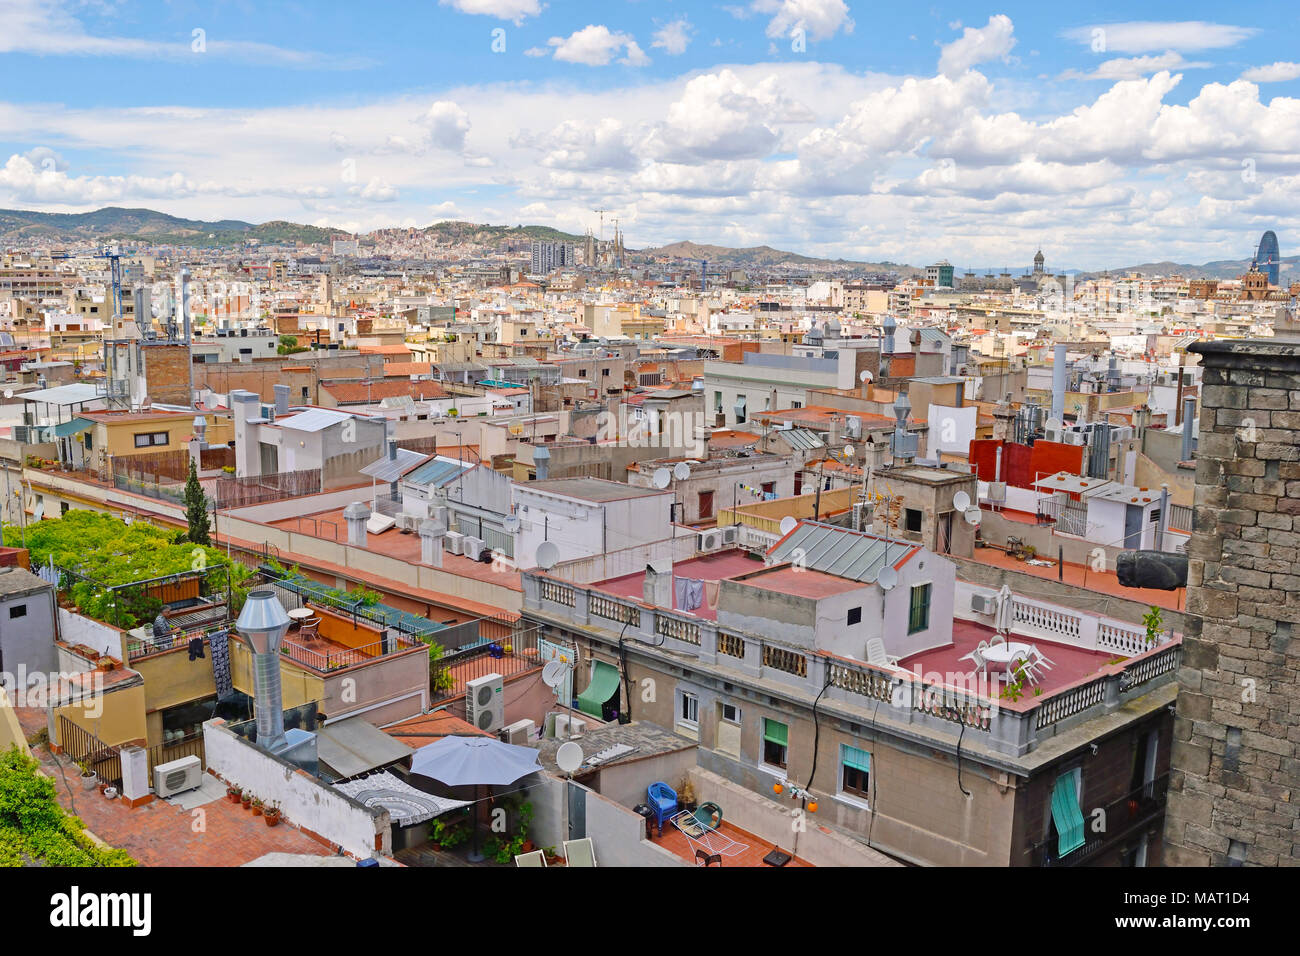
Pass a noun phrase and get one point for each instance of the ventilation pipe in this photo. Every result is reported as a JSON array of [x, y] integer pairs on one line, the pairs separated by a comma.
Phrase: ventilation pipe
[[432, 533], [541, 462], [262, 624], [281, 400], [1058, 384], [1189, 429]]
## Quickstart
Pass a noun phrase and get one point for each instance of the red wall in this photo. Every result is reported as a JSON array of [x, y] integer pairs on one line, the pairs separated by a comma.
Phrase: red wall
[[1021, 464]]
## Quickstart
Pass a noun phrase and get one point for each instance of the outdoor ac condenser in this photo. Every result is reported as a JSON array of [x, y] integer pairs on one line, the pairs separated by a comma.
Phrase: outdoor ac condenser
[[983, 603], [485, 703], [177, 776]]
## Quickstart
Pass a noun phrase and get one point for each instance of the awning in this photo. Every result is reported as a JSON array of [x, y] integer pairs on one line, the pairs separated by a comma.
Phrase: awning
[[1066, 815], [64, 429], [775, 732], [405, 804], [354, 746], [603, 686]]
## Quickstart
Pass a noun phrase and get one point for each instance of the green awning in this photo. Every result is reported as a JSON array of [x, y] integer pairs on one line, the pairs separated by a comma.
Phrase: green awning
[[775, 732], [857, 759], [603, 686], [1066, 815], [64, 429]]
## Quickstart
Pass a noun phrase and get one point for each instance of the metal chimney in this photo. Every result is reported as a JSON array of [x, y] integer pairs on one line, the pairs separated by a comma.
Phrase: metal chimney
[[541, 462], [1058, 383], [185, 302], [1189, 429], [281, 400], [356, 515], [262, 624]]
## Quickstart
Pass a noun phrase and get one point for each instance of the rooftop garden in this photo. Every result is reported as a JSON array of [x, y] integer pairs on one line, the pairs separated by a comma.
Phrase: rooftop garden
[[35, 830], [103, 559]]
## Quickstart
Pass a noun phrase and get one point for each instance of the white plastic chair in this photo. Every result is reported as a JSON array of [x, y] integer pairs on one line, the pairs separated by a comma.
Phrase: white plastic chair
[[1040, 660], [579, 852], [976, 656], [877, 655]]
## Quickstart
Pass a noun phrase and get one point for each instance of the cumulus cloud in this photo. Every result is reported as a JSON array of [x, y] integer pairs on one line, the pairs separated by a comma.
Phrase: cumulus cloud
[[1148, 36], [1279, 72], [978, 45], [597, 45], [1132, 68], [604, 144], [375, 191], [447, 126], [721, 116], [820, 19], [514, 10], [673, 38]]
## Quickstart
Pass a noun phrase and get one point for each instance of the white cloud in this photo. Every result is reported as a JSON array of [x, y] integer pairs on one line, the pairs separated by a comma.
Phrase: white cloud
[[445, 211], [597, 45], [820, 19], [47, 28], [721, 116], [1132, 68], [514, 10], [605, 144], [978, 45], [375, 191], [1279, 72], [673, 38], [1148, 36], [448, 125]]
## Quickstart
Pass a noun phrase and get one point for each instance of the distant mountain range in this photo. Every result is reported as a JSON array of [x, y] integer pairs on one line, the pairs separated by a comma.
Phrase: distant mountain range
[[116, 224]]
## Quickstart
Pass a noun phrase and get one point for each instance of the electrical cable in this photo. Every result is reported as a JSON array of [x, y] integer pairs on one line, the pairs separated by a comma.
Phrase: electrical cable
[[960, 735]]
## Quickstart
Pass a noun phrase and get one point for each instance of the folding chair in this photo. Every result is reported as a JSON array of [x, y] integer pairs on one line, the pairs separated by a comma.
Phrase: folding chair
[[536, 858], [580, 852], [708, 858]]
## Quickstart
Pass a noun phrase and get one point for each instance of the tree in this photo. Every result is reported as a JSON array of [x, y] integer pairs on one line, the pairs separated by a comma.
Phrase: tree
[[196, 509]]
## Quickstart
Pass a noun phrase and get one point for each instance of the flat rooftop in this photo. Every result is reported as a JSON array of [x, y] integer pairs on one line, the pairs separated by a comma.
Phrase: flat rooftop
[[804, 582], [708, 567], [591, 489], [644, 739]]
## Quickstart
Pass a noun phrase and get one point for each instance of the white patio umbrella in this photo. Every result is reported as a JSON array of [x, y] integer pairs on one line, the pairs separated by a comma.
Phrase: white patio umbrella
[[1005, 617]]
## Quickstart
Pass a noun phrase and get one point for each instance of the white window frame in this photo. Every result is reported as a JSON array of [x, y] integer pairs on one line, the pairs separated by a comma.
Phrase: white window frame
[[682, 698], [722, 713], [852, 799]]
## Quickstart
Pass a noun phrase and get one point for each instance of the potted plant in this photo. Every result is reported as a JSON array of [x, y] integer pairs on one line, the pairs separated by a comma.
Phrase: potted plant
[[271, 814], [234, 794], [525, 818], [257, 806], [89, 779], [552, 858], [686, 795], [246, 799]]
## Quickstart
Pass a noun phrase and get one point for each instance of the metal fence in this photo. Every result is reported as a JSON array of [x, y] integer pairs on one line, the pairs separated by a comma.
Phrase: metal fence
[[256, 489], [90, 752], [176, 750], [511, 654]]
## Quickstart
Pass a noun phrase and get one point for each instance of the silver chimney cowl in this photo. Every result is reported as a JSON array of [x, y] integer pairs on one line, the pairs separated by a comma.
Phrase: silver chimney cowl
[[262, 624]]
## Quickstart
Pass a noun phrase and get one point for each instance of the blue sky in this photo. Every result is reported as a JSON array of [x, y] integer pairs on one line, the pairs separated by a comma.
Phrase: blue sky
[[1105, 133]]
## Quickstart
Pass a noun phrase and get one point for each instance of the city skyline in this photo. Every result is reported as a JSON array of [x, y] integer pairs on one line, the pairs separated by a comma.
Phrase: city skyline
[[1148, 140]]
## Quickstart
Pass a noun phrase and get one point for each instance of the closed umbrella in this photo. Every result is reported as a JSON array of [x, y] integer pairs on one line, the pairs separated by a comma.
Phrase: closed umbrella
[[1005, 614], [474, 762]]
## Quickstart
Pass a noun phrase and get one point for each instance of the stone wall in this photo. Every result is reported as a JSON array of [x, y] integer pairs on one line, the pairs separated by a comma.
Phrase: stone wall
[[1235, 768]]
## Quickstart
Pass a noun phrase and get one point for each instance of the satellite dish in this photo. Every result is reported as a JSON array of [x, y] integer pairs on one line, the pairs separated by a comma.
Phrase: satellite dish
[[865, 377], [661, 477], [848, 451], [961, 501], [547, 555], [681, 471], [516, 429], [569, 757], [554, 672], [511, 523], [887, 579], [974, 516], [788, 524], [9, 393]]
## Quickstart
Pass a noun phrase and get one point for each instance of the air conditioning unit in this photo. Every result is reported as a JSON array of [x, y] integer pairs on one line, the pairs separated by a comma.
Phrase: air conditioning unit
[[474, 548], [438, 513], [407, 522], [455, 542], [519, 733], [708, 540], [566, 726], [177, 776], [983, 603], [730, 534], [485, 704]]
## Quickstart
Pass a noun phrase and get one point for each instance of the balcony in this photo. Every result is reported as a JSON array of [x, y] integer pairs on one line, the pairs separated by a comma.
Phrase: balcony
[[1125, 818]]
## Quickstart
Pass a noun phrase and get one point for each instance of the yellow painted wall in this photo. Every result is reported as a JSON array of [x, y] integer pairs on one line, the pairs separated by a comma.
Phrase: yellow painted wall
[[296, 685], [11, 733], [121, 717], [118, 438], [171, 678]]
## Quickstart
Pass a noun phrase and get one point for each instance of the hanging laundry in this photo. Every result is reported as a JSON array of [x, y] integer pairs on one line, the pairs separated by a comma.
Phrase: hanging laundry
[[196, 648]]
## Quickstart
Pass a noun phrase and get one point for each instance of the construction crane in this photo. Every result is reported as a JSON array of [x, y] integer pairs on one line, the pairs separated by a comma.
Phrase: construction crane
[[115, 262]]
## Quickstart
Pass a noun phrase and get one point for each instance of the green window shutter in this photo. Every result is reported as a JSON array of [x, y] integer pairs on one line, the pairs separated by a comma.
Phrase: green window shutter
[[855, 758], [1066, 815], [775, 732], [919, 616]]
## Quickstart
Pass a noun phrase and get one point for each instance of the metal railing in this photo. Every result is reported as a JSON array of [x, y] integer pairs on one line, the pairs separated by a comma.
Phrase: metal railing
[[1125, 817], [186, 747], [505, 655], [91, 752]]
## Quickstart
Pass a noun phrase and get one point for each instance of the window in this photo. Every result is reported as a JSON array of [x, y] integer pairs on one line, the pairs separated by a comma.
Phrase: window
[[604, 373], [18, 610], [706, 505], [304, 393], [717, 402], [730, 712], [796, 404], [740, 409], [63, 507], [582, 373], [1067, 818], [776, 738], [919, 615], [912, 519], [145, 439], [769, 487], [688, 709], [855, 772], [855, 615]]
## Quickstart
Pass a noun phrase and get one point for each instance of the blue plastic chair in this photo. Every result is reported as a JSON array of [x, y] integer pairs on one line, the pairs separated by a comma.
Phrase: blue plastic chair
[[663, 800]]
